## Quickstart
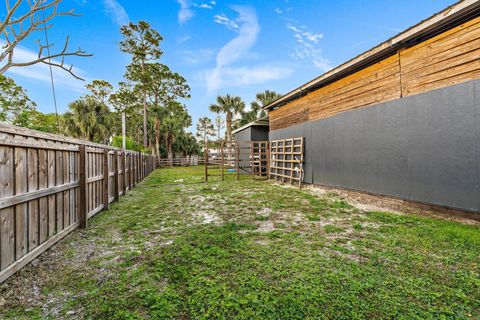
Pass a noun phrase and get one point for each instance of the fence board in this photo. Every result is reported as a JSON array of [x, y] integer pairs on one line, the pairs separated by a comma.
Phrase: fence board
[[59, 196], [43, 201], [7, 242], [21, 236], [33, 223]]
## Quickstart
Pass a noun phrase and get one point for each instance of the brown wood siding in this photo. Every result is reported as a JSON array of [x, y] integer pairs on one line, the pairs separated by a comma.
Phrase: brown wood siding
[[449, 58]]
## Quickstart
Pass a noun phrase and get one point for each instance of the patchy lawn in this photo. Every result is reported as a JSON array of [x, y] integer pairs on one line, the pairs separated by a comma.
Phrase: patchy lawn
[[249, 249]]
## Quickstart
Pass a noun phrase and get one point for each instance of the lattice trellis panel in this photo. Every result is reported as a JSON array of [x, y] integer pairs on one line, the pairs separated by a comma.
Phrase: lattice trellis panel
[[286, 160]]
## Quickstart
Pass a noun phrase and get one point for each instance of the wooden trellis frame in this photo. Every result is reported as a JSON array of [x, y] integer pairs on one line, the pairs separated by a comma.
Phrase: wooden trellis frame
[[286, 160], [259, 155], [246, 157]]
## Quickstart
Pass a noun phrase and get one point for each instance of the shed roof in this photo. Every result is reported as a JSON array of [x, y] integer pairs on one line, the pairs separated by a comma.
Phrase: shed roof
[[439, 22], [258, 122]]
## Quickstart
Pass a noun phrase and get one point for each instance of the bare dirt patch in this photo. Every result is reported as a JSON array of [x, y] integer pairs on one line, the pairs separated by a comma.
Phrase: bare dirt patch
[[368, 202]]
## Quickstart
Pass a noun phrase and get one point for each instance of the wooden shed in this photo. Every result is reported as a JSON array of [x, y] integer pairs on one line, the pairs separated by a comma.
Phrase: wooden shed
[[402, 119]]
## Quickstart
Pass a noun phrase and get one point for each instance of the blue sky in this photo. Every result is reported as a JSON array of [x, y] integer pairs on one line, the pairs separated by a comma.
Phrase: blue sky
[[238, 47]]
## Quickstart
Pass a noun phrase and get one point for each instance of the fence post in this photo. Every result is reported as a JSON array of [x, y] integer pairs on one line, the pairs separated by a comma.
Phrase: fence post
[[124, 165], [223, 160], [137, 169], [206, 161], [252, 159], [106, 178], [115, 175], [82, 214], [237, 156], [268, 159]]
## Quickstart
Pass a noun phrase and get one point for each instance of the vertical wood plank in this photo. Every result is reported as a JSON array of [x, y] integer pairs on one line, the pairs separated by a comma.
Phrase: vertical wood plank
[[106, 173], [71, 178], [21, 211], [33, 223], [51, 198], [66, 194], [82, 212], [115, 176], [124, 175], [89, 187], [7, 223], [59, 196], [43, 202], [76, 190]]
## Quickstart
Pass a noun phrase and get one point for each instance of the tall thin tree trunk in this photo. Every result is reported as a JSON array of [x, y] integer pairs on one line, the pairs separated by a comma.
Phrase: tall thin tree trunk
[[229, 128], [145, 141], [157, 136], [170, 148], [124, 130]]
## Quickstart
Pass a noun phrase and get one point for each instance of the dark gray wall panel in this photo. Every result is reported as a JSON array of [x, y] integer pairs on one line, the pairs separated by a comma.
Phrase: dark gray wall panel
[[372, 177], [424, 148], [259, 133], [391, 143], [321, 133], [350, 131], [442, 155], [244, 135], [476, 86]]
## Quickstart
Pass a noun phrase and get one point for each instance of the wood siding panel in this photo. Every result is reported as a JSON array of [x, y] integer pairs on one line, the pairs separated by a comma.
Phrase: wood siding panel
[[449, 58]]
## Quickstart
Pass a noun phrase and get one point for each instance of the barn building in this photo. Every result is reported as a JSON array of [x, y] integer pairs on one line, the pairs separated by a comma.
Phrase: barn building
[[402, 119]]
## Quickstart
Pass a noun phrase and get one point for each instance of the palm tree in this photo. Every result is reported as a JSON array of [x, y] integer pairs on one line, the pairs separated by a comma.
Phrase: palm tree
[[88, 119], [186, 144], [174, 122], [231, 106], [256, 107]]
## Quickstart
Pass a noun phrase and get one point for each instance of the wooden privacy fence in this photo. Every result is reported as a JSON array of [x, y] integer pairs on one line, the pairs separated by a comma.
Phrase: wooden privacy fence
[[50, 185]]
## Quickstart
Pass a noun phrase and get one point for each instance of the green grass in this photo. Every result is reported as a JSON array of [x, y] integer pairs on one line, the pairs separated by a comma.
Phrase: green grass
[[251, 250]]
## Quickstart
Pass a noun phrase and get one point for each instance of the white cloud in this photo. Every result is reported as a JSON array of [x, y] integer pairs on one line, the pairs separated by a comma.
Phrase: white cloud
[[245, 76], [116, 12], [185, 12], [193, 57], [41, 72], [307, 46], [248, 29], [205, 5], [223, 19], [183, 39]]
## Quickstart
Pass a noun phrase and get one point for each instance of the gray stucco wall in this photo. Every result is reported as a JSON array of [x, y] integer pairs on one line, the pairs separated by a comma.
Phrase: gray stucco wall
[[422, 148]]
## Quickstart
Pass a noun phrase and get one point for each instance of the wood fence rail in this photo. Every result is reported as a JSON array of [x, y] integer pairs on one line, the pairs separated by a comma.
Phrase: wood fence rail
[[178, 161], [50, 185]]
